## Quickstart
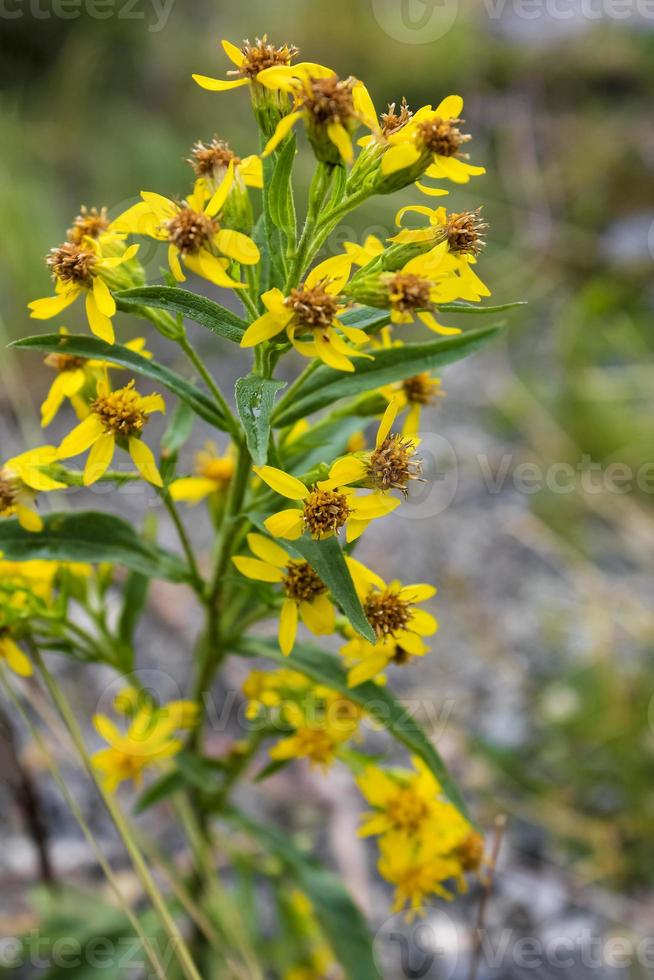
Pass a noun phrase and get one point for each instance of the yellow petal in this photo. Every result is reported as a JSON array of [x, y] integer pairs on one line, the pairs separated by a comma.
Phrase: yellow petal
[[372, 505], [250, 170], [330, 356], [220, 195], [174, 263], [364, 106], [286, 524], [431, 191], [234, 54], [218, 84], [365, 671], [191, 489], [268, 325], [387, 420], [417, 593], [106, 729], [261, 571], [81, 438], [212, 268], [333, 269], [423, 623], [267, 550], [363, 576], [281, 78], [237, 246], [349, 469], [282, 483], [450, 108], [15, 657], [49, 306], [354, 529], [99, 458], [284, 126], [341, 139], [103, 298], [99, 322], [287, 626], [399, 157], [144, 461], [28, 519], [318, 615], [429, 320]]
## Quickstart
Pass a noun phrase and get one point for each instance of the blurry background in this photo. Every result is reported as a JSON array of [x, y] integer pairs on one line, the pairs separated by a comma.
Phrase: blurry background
[[537, 526]]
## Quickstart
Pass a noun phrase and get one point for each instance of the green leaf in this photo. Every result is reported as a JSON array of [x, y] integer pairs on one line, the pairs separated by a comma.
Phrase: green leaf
[[475, 308], [327, 559], [325, 668], [90, 536], [326, 385], [171, 782], [255, 399], [367, 318], [280, 193], [201, 310], [92, 347], [341, 920]]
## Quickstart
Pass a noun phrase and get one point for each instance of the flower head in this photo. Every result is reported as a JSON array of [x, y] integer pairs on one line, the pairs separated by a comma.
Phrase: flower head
[[193, 231], [21, 479], [251, 60], [120, 414], [305, 594], [310, 316], [84, 265], [213, 475], [325, 507], [25, 590]]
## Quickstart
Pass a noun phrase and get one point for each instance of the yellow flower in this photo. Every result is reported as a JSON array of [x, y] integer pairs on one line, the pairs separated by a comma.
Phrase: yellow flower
[[431, 138], [114, 414], [193, 232], [312, 309], [73, 374], [12, 655], [305, 593], [331, 108], [261, 63], [25, 588], [322, 727], [371, 249], [417, 873], [213, 474], [211, 162], [413, 393], [326, 507], [149, 740], [408, 807], [391, 465], [82, 267], [393, 614], [21, 478]]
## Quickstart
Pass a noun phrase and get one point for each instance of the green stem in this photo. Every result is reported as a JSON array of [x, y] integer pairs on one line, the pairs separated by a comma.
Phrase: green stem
[[86, 830], [179, 945], [169, 504], [198, 364], [322, 179], [249, 304]]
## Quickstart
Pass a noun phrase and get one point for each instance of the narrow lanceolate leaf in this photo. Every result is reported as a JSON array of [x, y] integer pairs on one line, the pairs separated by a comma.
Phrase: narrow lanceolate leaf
[[93, 537], [326, 385], [458, 307], [367, 318], [340, 919], [325, 668], [280, 192], [201, 310], [326, 558], [255, 398], [91, 347]]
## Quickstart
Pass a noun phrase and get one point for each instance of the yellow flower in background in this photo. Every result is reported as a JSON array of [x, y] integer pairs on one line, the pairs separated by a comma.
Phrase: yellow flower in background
[[211, 162], [21, 478], [73, 374], [371, 249], [322, 726], [12, 655], [316, 959], [414, 393], [120, 414], [326, 507], [417, 873], [262, 62], [391, 465], [409, 806], [83, 268], [432, 137], [25, 588], [305, 593], [213, 474], [331, 108], [266, 689], [150, 739], [193, 232], [312, 309], [366, 661]]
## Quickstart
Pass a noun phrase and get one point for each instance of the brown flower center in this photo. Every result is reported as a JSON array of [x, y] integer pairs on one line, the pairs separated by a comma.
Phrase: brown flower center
[[206, 160], [387, 613], [325, 512], [465, 232], [392, 121], [262, 55], [400, 656], [64, 362], [329, 100], [394, 464], [441, 136], [409, 292], [471, 851], [407, 811], [420, 389], [190, 230], [8, 491], [314, 308], [70, 263], [302, 583], [89, 223], [121, 412]]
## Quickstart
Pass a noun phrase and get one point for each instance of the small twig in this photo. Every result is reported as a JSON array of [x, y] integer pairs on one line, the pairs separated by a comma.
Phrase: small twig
[[487, 884]]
